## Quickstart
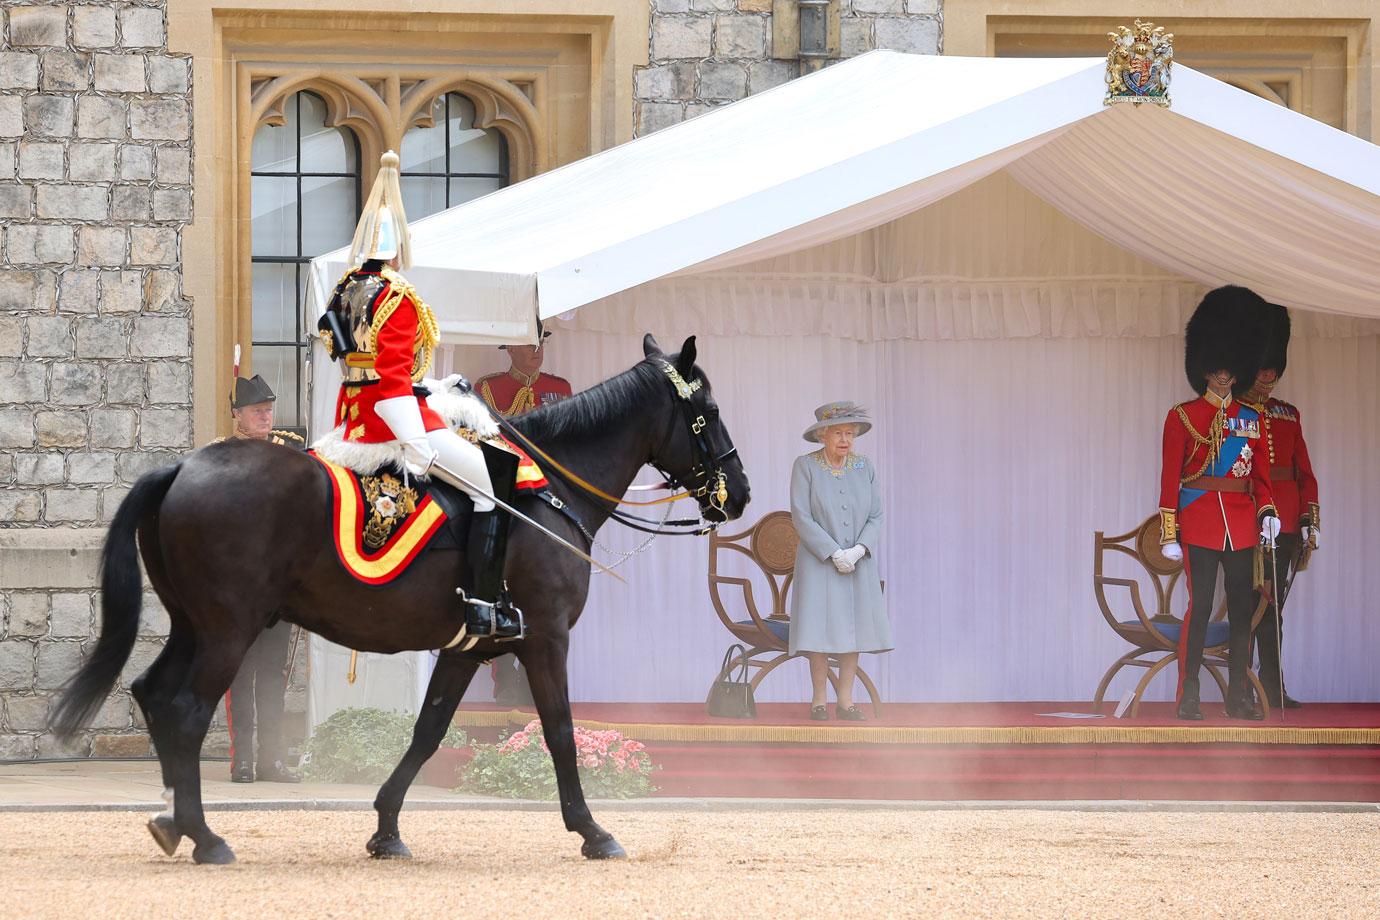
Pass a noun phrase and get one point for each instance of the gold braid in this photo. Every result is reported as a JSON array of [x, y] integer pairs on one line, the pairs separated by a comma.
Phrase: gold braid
[[1212, 440], [428, 332]]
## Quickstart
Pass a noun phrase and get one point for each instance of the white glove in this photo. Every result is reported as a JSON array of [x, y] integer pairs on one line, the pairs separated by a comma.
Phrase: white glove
[[1269, 529], [404, 419], [1173, 552], [840, 558], [1311, 533], [854, 554]]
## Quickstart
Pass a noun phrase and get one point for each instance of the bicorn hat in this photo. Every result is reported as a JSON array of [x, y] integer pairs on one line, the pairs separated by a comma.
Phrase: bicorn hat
[[250, 392], [542, 337], [1229, 330], [838, 413], [1277, 352]]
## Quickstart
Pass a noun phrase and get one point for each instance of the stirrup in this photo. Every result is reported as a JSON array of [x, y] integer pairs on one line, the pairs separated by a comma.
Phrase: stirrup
[[489, 628]]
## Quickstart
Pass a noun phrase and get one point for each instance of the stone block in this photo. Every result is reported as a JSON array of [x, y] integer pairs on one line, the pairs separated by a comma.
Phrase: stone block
[[661, 82], [124, 383], [754, 6], [38, 26], [11, 336], [112, 427], [120, 73], [174, 166], [91, 468], [855, 36], [169, 382], [653, 116], [94, 27], [101, 117], [49, 337], [16, 201], [60, 428], [766, 74], [48, 116], [6, 477], [18, 747], [28, 615], [101, 246], [23, 382], [723, 80], [136, 162], [740, 35], [57, 661], [141, 27], [160, 337], [152, 246], [681, 37], [9, 156], [11, 116], [696, 109], [43, 469], [671, 6], [65, 72], [70, 616], [133, 465], [79, 290], [38, 160], [169, 74], [91, 162], [114, 712], [153, 619], [40, 243], [77, 384], [16, 664], [159, 119], [130, 202], [162, 291], [16, 428], [111, 496], [165, 428], [121, 747], [922, 7], [101, 337], [73, 202], [879, 7], [20, 507], [121, 292], [713, 6], [50, 745], [172, 204], [70, 506], [27, 713], [18, 70], [141, 657], [915, 36], [217, 743]]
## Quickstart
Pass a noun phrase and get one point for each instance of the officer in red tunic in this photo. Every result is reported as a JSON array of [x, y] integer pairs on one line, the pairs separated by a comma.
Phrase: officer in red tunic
[[1296, 493], [383, 334], [1216, 504]]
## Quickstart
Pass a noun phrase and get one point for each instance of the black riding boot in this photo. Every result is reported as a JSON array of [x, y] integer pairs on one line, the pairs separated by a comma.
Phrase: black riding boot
[[489, 611], [1188, 701], [1241, 702]]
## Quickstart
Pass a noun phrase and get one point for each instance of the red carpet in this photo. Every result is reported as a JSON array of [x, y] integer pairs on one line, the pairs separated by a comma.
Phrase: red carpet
[[1324, 752]]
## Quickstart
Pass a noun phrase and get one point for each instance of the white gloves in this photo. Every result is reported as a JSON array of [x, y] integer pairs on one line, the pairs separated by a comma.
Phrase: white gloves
[[854, 554], [1310, 533], [404, 418], [1269, 529], [846, 560], [1173, 552]]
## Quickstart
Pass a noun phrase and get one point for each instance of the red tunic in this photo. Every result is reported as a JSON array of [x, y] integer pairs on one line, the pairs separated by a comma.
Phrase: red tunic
[[1209, 518], [1291, 472], [509, 396]]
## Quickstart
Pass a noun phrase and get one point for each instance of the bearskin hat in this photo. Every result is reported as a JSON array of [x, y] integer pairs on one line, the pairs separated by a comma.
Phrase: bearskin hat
[[1230, 329], [1277, 352]]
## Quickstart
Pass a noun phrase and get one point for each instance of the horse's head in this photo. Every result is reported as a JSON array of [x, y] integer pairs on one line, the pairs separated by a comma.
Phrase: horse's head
[[696, 451]]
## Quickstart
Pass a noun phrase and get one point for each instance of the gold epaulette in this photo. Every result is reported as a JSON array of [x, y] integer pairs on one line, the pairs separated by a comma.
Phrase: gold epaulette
[[428, 332], [285, 436]]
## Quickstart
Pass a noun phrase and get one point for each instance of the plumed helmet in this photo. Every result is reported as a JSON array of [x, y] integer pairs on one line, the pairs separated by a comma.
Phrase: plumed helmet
[[1230, 329], [1277, 351], [382, 229]]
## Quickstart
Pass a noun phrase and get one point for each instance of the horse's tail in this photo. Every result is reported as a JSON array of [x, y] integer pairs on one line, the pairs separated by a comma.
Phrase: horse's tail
[[121, 598]]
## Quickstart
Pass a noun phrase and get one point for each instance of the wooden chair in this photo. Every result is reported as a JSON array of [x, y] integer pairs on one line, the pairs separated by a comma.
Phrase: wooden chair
[[771, 545], [1154, 636]]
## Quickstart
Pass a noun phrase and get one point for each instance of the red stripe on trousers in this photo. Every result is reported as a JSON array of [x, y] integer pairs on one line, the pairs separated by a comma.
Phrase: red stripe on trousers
[[1183, 632]]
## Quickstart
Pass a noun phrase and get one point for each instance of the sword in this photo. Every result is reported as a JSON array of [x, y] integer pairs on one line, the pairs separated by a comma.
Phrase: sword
[[1275, 589], [461, 482]]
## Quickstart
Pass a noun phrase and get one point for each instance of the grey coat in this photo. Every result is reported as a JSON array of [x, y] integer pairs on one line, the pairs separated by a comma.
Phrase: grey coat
[[832, 612]]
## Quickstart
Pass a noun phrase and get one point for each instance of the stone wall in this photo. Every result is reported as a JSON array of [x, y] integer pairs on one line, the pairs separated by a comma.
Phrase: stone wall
[[95, 335], [706, 53]]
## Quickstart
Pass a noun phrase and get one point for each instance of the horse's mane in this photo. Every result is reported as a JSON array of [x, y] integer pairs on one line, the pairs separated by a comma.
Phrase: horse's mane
[[610, 404]]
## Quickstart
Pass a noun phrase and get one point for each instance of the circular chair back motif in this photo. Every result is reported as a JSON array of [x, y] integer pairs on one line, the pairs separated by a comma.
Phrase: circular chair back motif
[[774, 542]]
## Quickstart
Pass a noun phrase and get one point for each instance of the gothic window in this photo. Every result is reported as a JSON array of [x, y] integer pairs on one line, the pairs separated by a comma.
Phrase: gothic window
[[451, 161]]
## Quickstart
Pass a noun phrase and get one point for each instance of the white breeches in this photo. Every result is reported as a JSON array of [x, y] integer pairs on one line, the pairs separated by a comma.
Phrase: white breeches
[[466, 459]]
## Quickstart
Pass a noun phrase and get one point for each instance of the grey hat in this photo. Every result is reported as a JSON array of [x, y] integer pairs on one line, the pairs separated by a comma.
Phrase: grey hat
[[838, 413], [250, 392]]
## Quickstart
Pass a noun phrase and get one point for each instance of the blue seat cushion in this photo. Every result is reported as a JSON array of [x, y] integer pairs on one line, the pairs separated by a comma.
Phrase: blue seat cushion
[[780, 628], [1217, 631]]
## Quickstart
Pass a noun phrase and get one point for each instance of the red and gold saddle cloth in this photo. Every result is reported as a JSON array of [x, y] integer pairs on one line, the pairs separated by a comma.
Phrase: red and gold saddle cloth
[[380, 524]]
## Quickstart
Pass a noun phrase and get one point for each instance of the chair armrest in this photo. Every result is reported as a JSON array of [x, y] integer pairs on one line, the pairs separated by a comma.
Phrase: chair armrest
[[746, 585], [1133, 586]]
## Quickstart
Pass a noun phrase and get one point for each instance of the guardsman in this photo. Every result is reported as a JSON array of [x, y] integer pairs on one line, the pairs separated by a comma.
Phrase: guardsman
[[382, 333], [520, 389], [1216, 505], [260, 686], [1296, 493]]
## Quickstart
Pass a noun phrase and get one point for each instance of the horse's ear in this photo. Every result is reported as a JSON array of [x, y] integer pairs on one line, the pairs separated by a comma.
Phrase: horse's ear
[[685, 362], [649, 346]]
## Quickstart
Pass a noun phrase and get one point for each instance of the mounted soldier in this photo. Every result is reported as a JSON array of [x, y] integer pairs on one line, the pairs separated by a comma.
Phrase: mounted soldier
[[384, 335]]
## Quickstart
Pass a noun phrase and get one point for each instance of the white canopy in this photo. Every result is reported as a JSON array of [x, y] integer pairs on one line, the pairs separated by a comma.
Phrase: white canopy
[[1223, 187]]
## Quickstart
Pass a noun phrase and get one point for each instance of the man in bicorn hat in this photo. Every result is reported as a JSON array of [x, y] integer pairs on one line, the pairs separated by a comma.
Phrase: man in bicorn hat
[[1296, 493], [1216, 505], [257, 694], [521, 388], [383, 334]]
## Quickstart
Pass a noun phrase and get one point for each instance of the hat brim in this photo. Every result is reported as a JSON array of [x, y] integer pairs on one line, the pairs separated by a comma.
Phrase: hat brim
[[862, 424], [544, 336]]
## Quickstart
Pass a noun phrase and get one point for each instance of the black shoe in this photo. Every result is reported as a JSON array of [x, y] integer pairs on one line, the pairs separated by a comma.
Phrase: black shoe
[[851, 714], [1241, 704], [277, 772], [1288, 702], [242, 772], [819, 713], [1189, 711]]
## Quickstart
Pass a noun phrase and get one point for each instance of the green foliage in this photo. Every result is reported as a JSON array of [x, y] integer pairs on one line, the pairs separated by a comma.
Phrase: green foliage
[[519, 767], [363, 745]]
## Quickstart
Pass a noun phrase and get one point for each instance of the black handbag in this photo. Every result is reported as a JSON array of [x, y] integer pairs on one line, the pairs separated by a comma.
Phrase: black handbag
[[730, 698]]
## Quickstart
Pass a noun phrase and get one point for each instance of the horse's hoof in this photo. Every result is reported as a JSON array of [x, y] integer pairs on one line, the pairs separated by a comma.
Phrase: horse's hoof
[[387, 847], [165, 833], [217, 854], [607, 848]]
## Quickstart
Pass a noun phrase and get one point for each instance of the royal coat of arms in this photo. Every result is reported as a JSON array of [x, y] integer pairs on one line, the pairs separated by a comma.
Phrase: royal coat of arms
[[1138, 64], [390, 504]]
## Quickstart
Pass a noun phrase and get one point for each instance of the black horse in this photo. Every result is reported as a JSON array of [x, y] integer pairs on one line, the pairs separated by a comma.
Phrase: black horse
[[238, 533]]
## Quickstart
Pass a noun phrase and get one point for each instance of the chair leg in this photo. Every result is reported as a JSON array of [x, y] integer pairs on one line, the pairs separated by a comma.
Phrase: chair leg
[[871, 692], [1216, 673], [766, 668], [1156, 668], [1112, 672]]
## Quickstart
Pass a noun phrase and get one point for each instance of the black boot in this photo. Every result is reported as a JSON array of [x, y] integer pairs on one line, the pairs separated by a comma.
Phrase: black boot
[[1188, 702], [1241, 702], [489, 611], [241, 771]]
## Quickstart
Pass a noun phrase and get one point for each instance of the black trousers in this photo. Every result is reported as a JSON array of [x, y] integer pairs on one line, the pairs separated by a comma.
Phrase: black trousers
[[1269, 635], [259, 689], [1238, 570]]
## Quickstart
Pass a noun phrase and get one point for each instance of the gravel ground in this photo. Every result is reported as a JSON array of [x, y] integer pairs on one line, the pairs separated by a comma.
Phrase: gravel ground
[[837, 864]]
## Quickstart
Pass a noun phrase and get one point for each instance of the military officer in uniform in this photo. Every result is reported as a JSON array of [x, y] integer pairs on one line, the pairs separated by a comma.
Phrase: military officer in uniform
[[1296, 493], [383, 334], [257, 694], [519, 389], [1216, 504]]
